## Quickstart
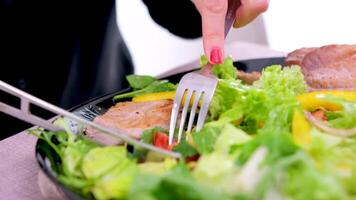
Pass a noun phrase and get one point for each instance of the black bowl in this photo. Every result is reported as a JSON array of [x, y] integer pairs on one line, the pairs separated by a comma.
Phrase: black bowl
[[44, 151]]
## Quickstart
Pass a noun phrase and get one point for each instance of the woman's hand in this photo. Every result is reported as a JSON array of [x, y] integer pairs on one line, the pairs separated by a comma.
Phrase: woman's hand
[[213, 20]]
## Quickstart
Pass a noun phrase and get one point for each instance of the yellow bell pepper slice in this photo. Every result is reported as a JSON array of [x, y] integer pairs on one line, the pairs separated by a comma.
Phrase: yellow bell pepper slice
[[301, 129], [155, 96], [312, 101], [161, 96]]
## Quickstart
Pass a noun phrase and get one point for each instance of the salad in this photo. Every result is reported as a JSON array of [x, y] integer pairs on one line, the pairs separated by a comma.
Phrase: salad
[[269, 140]]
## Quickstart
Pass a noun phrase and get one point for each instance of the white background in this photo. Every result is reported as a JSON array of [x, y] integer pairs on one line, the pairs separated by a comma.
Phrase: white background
[[287, 25], [292, 24]]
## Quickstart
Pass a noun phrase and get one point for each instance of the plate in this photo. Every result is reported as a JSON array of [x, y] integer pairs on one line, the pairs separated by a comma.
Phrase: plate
[[45, 154]]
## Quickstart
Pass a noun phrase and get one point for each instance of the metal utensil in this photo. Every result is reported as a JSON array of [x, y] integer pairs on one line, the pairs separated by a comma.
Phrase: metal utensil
[[197, 87], [25, 114]]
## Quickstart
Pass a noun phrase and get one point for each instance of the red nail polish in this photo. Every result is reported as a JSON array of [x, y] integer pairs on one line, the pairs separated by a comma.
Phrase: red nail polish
[[216, 56]]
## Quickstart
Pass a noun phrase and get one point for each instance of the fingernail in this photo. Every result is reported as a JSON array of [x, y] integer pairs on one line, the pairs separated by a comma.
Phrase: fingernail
[[216, 56]]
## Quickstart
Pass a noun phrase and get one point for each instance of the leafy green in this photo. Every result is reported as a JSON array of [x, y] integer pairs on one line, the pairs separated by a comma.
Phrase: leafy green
[[203, 60], [230, 136], [227, 93], [215, 169], [288, 81], [335, 155], [279, 145], [157, 168], [100, 160], [205, 139], [69, 125], [147, 135], [343, 157], [143, 186], [111, 171], [185, 149], [226, 70], [116, 183], [345, 118], [303, 180], [156, 86], [330, 115], [178, 184], [175, 184], [138, 82], [269, 103], [73, 156]]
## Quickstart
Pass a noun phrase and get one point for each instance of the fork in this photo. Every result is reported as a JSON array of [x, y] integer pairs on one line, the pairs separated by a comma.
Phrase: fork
[[196, 87]]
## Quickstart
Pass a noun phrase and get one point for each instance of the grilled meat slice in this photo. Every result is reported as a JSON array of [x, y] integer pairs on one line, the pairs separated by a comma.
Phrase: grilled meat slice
[[133, 118], [248, 77], [330, 67], [296, 57], [327, 67]]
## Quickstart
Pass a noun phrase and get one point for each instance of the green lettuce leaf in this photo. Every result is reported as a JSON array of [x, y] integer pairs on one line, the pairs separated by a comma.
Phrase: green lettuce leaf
[[100, 160], [345, 118], [179, 184], [156, 86], [73, 156], [215, 170], [227, 93], [111, 171], [230, 135], [157, 168], [147, 135], [116, 183], [175, 184], [205, 139], [185, 149], [138, 82], [336, 156], [279, 145], [203, 60], [304, 181], [288, 81], [269, 103], [225, 70]]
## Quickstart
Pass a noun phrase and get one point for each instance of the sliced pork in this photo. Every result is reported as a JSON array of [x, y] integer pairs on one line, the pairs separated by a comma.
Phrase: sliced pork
[[327, 67], [296, 57], [133, 118], [248, 77]]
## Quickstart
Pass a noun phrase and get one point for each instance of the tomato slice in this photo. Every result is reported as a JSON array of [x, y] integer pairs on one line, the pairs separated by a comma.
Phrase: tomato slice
[[320, 114], [161, 140]]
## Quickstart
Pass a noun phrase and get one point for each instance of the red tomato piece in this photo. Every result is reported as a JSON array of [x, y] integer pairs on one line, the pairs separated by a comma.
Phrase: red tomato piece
[[161, 140]]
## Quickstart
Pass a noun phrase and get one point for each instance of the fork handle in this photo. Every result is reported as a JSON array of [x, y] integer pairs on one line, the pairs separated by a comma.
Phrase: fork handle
[[233, 5]]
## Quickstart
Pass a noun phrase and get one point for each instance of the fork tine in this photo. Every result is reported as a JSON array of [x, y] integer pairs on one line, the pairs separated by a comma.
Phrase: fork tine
[[193, 110], [207, 97], [184, 113], [175, 111]]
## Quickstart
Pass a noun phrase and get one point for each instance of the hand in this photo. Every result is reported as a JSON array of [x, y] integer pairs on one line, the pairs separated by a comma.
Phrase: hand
[[213, 20]]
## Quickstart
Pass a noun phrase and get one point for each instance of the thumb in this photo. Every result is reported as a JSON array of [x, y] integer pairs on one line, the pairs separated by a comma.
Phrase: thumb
[[213, 20]]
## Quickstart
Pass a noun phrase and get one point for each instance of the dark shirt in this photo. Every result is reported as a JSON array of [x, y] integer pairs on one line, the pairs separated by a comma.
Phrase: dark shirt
[[67, 52]]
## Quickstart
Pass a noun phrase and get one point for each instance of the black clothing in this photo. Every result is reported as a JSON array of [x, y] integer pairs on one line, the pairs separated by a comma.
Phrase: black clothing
[[67, 52]]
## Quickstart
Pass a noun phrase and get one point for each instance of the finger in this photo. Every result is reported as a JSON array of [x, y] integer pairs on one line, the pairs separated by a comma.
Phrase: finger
[[249, 10], [213, 19]]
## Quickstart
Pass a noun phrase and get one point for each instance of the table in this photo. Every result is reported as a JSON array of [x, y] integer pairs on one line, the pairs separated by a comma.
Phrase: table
[[20, 176]]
